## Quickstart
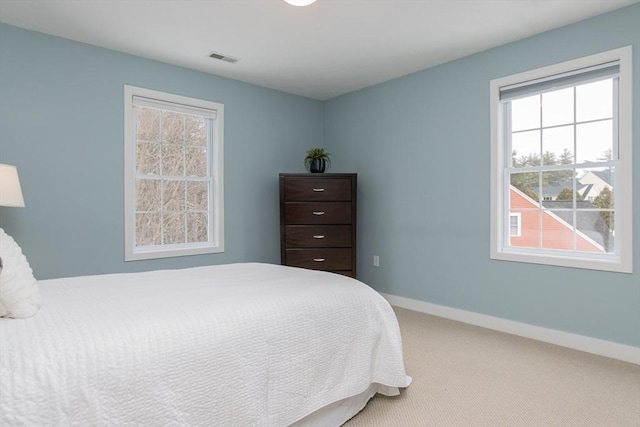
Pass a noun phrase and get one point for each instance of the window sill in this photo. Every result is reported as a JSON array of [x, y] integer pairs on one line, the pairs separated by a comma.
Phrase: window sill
[[168, 253], [611, 264]]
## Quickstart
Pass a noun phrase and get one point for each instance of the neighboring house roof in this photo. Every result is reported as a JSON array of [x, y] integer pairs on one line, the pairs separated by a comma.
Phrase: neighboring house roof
[[604, 175], [592, 181], [598, 179], [554, 189], [584, 191], [588, 222]]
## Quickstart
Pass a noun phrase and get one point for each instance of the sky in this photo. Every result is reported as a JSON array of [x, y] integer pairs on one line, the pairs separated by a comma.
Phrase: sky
[[545, 122]]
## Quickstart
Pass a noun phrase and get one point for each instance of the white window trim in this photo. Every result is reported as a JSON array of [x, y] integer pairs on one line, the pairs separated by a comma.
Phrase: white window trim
[[624, 205], [217, 165]]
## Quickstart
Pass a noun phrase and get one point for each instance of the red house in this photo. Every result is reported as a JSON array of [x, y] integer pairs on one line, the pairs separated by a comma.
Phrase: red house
[[551, 233]]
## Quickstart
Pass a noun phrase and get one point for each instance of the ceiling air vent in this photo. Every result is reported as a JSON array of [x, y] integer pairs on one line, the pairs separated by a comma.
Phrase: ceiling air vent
[[222, 57]]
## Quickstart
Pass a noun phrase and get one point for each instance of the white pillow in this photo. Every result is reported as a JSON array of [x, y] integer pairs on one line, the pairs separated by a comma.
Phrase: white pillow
[[19, 294]]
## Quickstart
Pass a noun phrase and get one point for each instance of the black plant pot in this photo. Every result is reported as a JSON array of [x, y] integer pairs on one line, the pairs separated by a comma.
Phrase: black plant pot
[[318, 166]]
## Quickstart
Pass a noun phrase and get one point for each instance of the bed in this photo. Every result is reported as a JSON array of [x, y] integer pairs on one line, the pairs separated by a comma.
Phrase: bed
[[231, 345]]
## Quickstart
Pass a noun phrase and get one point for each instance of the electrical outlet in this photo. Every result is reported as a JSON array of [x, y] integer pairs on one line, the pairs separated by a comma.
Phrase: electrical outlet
[[376, 261]]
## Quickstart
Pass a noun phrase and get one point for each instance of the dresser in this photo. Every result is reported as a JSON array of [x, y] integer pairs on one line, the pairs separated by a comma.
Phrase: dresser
[[318, 221]]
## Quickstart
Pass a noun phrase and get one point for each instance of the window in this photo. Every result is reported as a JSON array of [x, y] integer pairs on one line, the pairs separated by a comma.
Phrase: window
[[561, 164], [514, 224], [173, 175]]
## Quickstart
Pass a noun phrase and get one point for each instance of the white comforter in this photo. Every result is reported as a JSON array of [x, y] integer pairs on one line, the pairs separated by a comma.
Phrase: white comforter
[[229, 345]]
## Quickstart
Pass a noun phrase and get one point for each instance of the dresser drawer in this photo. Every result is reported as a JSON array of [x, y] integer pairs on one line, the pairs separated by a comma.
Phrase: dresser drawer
[[319, 259], [318, 236], [318, 189], [317, 213]]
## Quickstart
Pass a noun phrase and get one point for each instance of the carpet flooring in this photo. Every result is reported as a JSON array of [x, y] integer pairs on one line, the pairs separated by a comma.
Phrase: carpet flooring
[[464, 375]]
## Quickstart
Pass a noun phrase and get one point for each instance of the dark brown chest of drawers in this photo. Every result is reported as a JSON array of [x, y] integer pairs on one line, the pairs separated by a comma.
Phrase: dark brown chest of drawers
[[318, 221]]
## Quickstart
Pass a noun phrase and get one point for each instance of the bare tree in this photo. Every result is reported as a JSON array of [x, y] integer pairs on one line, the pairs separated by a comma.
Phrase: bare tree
[[171, 150]]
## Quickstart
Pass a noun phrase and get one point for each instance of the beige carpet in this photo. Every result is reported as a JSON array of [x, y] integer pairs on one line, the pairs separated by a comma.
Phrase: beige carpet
[[465, 375]]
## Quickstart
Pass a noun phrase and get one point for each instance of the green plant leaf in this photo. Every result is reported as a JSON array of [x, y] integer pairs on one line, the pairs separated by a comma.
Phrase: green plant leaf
[[316, 154]]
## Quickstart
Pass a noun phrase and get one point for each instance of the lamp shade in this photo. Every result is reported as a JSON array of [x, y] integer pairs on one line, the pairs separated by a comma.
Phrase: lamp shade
[[10, 192]]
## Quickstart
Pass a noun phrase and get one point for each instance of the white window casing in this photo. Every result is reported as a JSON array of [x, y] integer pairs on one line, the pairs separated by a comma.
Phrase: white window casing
[[212, 114], [503, 90]]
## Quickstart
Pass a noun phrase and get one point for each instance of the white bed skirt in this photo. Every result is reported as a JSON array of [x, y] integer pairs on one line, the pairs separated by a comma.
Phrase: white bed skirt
[[343, 410]]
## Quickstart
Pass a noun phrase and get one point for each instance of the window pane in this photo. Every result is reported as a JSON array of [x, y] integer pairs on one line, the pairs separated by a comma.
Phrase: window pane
[[148, 158], [197, 227], [196, 158], [172, 160], [197, 196], [557, 145], [525, 113], [148, 229], [147, 124], [527, 185], [196, 130], [147, 195], [173, 195], [557, 107], [525, 147], [174, 231], [595, 185], [172, 127], [594, 141], [595, 231], [552, 185], [557, 230], [594, 100]]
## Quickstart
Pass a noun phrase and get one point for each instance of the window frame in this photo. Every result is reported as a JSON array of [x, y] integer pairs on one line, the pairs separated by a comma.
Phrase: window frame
[[215, 172], [622, 259]]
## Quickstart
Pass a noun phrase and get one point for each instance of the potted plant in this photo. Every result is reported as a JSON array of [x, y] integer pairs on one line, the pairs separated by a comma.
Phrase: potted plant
[[317, 160]]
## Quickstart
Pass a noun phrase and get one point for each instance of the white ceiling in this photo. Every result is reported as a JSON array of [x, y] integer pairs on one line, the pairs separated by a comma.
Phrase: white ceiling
[[320, 51]]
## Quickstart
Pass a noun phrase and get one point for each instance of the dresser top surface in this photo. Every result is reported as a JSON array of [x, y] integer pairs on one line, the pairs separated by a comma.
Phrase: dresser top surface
[[317, 175]]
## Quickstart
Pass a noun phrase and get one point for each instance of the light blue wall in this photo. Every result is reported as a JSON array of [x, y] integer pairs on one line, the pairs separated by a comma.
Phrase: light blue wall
[[420, 145], [61, 123]]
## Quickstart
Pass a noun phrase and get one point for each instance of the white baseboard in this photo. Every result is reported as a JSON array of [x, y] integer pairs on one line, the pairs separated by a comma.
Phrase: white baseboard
[[597, 346]]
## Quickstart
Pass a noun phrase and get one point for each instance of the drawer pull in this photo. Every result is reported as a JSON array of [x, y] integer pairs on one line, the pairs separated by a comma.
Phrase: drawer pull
[[318, 212], [319, 236], [318, 260], [318, 190]]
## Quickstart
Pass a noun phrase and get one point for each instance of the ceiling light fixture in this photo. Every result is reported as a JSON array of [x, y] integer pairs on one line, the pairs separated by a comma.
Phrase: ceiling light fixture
[[300, 2]]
